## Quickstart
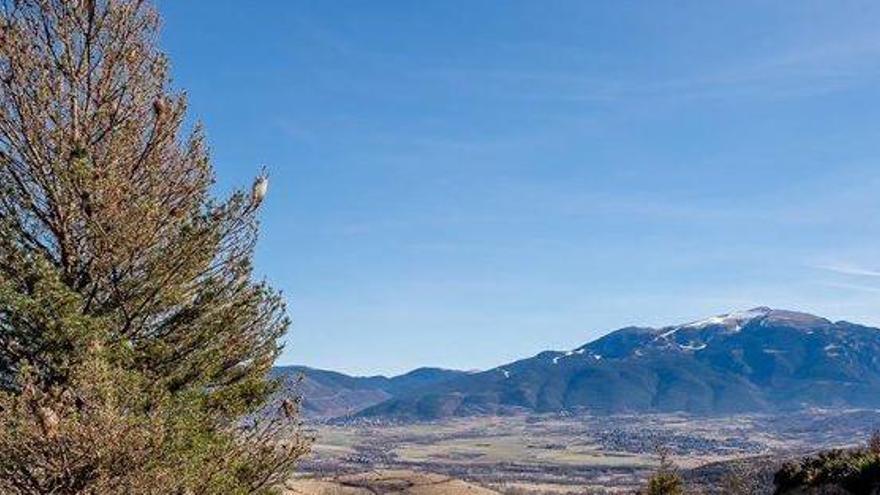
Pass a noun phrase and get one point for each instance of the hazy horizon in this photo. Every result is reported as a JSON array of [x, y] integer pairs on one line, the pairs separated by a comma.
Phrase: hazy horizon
[[462, 184]]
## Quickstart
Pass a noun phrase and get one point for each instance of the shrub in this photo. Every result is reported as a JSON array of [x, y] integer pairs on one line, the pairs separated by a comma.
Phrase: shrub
[[856, 471], [664, 483], [666, 480], [874, 442]]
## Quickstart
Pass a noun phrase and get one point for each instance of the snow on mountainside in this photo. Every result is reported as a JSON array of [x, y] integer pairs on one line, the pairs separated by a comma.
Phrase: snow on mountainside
[[733, 321], [693, 336], [756, 360]]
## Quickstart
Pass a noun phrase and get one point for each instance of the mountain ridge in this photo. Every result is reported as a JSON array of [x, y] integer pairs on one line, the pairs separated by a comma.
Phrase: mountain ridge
[[328, 394], [756, 360]]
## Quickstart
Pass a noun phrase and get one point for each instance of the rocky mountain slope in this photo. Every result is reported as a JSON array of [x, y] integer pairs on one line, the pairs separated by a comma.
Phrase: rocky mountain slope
[[757, 360]]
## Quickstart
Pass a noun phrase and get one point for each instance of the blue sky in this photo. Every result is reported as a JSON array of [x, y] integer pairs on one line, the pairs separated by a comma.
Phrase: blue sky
[[464, 183]]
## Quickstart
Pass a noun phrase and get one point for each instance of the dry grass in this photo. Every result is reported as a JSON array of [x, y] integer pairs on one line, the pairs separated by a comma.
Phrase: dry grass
[[385, 482]]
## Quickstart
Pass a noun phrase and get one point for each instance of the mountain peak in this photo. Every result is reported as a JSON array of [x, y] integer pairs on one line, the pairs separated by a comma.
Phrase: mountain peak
[[759, 359], [696, 335], [737, 320], [733, 321]]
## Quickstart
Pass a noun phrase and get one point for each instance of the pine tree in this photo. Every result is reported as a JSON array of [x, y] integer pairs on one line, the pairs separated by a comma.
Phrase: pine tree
[[134, 342], [666, 480]]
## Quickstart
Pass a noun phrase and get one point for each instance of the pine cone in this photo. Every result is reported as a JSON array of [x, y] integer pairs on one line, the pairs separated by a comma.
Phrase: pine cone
[[160, 106], [48, 421], [288, 407]]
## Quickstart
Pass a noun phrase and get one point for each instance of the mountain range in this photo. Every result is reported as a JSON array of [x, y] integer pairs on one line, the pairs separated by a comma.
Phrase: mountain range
[[329, 394], [759, 360]]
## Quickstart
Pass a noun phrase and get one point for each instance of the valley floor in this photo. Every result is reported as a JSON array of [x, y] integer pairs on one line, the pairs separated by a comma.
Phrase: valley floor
[[573, 454]]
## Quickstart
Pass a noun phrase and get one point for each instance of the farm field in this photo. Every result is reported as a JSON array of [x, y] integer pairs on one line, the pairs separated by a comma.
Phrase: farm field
[[573, 454]]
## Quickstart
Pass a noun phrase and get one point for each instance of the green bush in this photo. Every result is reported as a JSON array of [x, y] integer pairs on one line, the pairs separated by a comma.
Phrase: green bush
[[856, 471], [664, 483], [666, 480]]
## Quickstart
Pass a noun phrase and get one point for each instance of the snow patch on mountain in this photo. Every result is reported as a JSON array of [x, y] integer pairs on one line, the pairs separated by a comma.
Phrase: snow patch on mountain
[[692, 347], [734, 321], [568, 354]]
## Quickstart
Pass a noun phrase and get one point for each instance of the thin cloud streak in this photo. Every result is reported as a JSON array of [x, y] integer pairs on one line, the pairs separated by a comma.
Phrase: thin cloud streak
[[848, 269], [798, 72], [855, 287]]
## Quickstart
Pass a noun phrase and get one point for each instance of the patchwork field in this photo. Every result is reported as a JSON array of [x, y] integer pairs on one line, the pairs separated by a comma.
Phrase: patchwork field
[[573, 454]]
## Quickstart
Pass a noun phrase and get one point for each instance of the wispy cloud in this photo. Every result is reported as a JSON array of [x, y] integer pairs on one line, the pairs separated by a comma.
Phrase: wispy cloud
[[848, 269], [803, 71], [855, 287]]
